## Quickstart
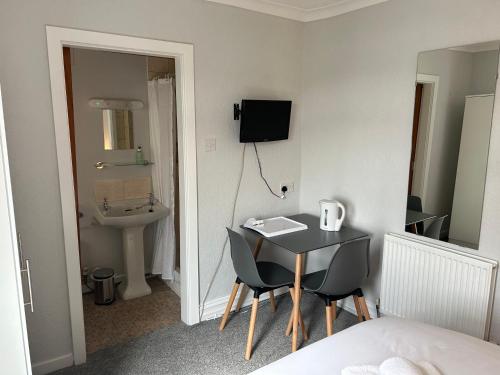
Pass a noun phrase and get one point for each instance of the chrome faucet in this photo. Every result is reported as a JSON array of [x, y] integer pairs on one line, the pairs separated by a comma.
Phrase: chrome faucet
[[106, 205], [151, 200]]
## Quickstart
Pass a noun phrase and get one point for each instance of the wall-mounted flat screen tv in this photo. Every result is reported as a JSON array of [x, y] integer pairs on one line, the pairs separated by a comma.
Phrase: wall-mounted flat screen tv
[[264, 120]]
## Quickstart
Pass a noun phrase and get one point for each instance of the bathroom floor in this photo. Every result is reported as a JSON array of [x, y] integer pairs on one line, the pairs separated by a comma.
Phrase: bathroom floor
[[106, 326]]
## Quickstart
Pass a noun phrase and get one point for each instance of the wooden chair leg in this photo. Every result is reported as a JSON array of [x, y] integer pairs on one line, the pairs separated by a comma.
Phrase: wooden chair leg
[[236, 286], [334, 310], [272, 301], [251, 328], [301, 321], [290, 325], [329, 320], [358, 308], [243, 296], [364, 308]]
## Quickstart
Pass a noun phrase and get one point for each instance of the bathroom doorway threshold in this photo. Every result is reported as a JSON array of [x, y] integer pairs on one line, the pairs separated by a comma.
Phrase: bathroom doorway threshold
[[57, 38]]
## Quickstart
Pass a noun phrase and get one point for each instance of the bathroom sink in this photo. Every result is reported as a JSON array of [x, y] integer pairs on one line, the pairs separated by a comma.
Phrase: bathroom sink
[[130, 214], [131, 217]]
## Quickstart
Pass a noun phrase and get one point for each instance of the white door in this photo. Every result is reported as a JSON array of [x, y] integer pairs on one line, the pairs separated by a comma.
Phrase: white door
[[14, 350], [467, 209]]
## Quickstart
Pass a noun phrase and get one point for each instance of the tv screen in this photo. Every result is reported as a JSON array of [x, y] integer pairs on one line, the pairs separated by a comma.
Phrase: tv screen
[[264, 120]]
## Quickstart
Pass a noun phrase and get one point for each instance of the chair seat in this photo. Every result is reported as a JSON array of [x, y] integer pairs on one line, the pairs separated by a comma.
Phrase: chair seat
[[275, 275], [312, 281]]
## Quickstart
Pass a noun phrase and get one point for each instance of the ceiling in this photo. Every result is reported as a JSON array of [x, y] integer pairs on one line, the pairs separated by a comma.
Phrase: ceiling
[[301, 10]]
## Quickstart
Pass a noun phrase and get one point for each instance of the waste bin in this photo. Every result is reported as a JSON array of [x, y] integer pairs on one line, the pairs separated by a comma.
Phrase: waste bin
[[104, 286]]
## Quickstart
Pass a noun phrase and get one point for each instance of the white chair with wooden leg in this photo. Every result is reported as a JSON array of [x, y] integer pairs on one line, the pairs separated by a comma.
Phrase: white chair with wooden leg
[[343, 278], [260, 277]]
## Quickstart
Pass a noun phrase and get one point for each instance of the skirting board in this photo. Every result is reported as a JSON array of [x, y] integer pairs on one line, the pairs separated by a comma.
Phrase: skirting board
[[215, 308], [51, 365]]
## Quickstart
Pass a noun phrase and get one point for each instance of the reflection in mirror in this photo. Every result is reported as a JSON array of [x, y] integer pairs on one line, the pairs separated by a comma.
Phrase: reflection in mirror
[[118, 129], [453, 110]]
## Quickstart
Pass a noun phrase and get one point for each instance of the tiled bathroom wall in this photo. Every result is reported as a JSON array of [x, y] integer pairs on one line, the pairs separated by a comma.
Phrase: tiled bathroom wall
[[122, 189]]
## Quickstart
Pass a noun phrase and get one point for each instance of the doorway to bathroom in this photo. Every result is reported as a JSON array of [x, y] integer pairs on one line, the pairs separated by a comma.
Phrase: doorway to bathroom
[[125, 129]]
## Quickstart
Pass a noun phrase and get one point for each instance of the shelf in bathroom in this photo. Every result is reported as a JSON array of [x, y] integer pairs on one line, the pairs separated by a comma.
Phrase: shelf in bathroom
[[103, 164]]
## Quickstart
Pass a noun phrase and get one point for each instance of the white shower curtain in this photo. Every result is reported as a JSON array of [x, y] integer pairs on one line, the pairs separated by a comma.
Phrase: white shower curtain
[[161, 95]]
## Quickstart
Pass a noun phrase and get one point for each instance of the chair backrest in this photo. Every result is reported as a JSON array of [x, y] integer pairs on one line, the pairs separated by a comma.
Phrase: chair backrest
[[434, 229], [414, 203], [243, 260], [348, 268]]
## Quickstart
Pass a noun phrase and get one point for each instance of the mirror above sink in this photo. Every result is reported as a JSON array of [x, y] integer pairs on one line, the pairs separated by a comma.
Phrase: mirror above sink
[[117, 122]]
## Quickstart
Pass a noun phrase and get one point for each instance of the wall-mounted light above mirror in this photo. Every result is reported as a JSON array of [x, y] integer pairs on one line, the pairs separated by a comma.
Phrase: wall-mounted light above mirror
[[117, 122], [455, 90], [124, 104]]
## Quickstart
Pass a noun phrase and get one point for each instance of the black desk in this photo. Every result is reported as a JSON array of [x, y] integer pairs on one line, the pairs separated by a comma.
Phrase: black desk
[[304, 241], [313, 238]]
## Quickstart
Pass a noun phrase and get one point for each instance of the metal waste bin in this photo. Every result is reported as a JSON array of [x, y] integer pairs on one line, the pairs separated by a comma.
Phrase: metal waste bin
[[104, 286]]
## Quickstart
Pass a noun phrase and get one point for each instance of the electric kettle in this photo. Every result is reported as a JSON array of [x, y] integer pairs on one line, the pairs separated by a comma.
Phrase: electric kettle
[[330, 220]]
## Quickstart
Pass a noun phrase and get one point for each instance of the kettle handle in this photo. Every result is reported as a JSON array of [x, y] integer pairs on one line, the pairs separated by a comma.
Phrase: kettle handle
[[339, 222]]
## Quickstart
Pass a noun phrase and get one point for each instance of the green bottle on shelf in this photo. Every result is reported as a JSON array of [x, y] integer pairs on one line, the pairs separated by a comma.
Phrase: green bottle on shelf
[[139, 156]]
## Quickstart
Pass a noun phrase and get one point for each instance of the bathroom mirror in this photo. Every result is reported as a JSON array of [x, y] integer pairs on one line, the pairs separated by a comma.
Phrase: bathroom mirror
[[118, 129], [454, 98]]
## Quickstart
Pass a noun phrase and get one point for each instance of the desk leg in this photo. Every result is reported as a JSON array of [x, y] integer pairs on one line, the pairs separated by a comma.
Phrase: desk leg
[[244, 289], [296, 302]]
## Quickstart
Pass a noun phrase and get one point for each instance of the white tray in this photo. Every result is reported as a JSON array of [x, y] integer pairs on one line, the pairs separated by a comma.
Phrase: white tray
[[276, 226]]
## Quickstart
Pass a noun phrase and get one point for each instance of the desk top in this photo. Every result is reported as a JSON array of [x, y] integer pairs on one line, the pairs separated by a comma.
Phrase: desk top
[[414, 217], [313, 238]]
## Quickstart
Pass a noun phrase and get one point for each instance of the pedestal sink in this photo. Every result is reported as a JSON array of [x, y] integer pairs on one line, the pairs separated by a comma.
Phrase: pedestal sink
[[132, 216]]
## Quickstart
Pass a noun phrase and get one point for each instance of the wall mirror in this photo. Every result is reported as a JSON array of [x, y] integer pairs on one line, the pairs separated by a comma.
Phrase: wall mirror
[[117, 121], [454, 97], [118, 129]]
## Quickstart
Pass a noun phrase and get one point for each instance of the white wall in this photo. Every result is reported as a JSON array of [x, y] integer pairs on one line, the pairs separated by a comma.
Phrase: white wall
[[484, 72], [238, 54], [99, 74], [358, 96]]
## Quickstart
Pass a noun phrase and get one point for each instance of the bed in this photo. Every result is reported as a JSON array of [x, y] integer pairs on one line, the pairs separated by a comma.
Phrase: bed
[[372, 342]]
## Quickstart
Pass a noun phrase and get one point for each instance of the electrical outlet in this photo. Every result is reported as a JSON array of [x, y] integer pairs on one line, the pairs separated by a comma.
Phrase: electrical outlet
[[289, 186]]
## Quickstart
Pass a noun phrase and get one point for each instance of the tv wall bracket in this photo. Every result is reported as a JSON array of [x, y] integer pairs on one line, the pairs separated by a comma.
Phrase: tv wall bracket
[[236, 111]]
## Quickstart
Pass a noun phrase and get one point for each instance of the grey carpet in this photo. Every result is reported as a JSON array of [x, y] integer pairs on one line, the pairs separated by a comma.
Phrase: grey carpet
[[202, 349]]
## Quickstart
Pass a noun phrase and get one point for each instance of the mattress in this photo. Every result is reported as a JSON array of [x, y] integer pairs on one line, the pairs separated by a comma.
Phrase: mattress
[[372, 342]]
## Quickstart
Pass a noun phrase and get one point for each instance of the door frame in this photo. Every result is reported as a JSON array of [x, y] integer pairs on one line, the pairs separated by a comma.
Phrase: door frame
[[57, 38], [434, 81]]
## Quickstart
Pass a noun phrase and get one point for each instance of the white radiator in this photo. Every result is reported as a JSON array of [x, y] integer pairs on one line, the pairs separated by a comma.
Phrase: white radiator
[[427, 282]]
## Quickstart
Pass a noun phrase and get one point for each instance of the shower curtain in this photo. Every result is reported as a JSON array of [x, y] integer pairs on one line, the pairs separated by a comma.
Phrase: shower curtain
[[162, 117]]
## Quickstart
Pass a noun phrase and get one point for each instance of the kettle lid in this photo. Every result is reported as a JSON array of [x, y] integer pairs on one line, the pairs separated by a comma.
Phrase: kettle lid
[[328, 201]]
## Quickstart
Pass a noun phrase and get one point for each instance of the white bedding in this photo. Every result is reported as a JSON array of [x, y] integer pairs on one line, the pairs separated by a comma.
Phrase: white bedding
[[372, 342]]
